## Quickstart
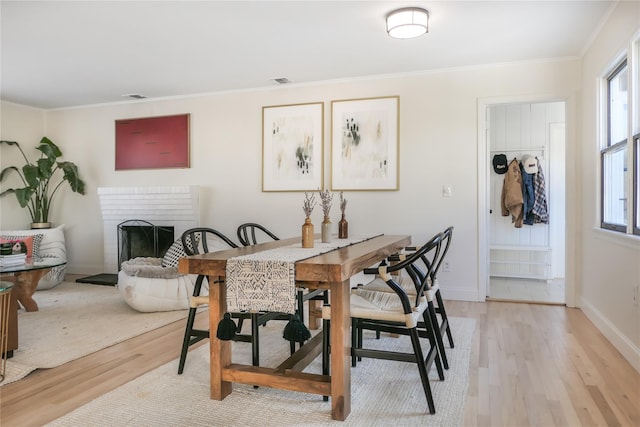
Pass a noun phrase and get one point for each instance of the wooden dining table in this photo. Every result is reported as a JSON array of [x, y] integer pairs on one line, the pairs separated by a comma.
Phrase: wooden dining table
[[332, 271]]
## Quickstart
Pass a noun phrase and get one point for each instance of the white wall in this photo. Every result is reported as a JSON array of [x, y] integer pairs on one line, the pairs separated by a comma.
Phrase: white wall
[[438, 145], [610, 262], [26, 126]]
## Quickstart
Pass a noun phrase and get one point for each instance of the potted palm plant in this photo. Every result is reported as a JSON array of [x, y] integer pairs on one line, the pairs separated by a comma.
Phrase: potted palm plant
[[41, 180]]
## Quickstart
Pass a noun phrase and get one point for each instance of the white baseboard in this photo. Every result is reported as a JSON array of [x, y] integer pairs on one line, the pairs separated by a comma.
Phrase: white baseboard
[[85, 269], [629, 350], [460, 294]]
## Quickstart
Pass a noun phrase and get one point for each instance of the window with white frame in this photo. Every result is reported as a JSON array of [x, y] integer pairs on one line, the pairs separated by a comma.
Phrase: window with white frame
[[620, 146], [615, 191]]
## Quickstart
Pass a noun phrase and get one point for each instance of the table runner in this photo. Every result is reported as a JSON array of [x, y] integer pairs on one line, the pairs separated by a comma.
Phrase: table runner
[[265, 281]]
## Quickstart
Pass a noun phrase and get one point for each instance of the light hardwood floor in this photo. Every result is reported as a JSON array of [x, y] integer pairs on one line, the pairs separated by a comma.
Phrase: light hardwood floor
[[526, 290], [531, 365]]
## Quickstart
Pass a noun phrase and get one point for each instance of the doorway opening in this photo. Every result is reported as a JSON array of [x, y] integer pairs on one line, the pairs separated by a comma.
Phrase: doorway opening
[[526, 259]]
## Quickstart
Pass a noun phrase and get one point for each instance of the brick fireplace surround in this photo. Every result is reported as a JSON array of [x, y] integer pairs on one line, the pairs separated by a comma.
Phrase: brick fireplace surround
[[176, 206]]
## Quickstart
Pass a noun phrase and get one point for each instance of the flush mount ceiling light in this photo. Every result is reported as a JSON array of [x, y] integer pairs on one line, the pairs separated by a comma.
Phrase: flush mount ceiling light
[[408, 23]]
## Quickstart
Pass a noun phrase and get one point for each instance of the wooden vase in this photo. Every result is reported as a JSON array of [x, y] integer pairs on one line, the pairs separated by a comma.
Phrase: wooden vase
[[307, 233]]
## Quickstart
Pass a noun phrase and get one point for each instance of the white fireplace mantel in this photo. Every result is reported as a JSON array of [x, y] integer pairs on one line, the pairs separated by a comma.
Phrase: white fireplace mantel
[[172, 206]]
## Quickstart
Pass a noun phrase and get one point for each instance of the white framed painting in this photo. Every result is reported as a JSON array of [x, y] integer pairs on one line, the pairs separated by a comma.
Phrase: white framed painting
[[364, 144], [292, 144]]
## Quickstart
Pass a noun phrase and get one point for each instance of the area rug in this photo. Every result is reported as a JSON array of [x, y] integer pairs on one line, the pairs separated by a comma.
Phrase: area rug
[[74, 320], [384, 393]]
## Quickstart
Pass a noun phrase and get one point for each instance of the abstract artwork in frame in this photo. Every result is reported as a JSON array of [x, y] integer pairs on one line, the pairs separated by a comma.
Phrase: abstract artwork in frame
[[292, 139], [153, 142], [364, 144]]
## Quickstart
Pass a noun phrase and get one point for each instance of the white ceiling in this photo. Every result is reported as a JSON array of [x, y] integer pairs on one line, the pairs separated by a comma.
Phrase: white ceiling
[[57, 54]]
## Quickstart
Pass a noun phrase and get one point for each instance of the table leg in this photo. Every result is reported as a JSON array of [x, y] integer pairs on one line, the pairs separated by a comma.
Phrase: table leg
[[340, 350], [24, 285], [315, 314], [220, 351]]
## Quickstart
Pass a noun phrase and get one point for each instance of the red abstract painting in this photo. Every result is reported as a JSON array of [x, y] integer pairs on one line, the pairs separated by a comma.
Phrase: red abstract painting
[[152, 142]]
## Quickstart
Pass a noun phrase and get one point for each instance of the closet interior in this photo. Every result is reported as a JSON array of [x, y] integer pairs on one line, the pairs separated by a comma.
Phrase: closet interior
[[526, 262]]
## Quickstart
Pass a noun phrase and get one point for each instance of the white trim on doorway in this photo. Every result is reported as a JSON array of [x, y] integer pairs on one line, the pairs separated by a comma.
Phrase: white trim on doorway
[[572, 210]]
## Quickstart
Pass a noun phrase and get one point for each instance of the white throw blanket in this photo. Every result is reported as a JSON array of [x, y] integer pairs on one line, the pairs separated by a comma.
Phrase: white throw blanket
[[265, 281]]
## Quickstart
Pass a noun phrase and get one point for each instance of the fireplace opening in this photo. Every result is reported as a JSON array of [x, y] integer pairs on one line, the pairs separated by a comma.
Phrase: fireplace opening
[[138, 238]]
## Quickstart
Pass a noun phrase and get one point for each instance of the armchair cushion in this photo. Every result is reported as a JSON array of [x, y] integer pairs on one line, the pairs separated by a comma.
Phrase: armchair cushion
[[147, 286], [52, 245], [149, 267], [174, 253]]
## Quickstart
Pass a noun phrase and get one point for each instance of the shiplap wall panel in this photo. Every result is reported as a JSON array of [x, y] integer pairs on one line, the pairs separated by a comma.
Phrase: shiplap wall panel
[[516, 130]]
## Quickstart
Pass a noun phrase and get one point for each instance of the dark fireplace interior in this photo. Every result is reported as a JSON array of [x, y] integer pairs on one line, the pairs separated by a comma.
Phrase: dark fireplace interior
[[142, 239], [136, 238]]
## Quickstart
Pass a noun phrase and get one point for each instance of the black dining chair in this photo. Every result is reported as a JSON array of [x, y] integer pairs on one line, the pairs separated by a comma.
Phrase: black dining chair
[[444, 326], [252, 233], [434, 296], [425, 269], [396, 312], [196, 241], [204, 240]]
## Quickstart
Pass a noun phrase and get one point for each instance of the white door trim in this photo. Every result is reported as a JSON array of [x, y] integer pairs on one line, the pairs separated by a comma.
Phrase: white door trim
[[571, 210]]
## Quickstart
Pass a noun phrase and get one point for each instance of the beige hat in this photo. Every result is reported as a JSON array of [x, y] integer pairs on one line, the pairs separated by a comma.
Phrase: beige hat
[[529, 164]]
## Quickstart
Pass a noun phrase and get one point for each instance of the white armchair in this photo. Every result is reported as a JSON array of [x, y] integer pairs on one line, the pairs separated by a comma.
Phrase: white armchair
[[52, 244], [147, 286]]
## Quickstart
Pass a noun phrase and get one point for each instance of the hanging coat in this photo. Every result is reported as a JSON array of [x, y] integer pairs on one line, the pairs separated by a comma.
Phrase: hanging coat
[[511, 200], [540, 211], [528, 196]]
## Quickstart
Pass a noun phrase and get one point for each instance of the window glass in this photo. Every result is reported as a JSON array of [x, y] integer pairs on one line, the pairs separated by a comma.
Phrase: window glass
[[614, 181], [618, 104], [614, 191]]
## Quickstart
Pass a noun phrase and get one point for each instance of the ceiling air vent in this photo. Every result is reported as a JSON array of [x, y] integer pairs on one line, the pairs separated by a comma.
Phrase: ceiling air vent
[[281, 80], [134, 96]]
